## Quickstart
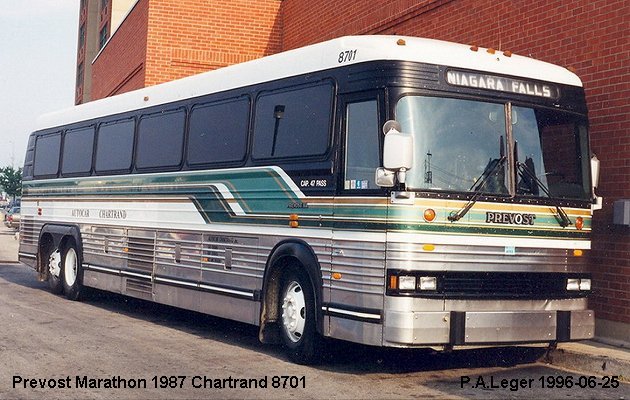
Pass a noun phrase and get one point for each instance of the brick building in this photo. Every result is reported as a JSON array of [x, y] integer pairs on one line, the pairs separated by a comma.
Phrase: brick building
[[161, 40]]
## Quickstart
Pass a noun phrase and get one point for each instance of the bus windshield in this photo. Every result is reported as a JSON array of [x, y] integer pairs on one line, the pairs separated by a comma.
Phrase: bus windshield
[[457, 142]]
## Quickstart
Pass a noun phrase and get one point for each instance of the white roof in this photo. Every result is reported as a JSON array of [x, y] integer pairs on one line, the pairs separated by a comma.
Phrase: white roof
[[313, 58]]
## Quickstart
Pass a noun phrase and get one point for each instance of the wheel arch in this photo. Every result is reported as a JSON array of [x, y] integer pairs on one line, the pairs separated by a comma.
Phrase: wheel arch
[[54, 236], [286, 254]]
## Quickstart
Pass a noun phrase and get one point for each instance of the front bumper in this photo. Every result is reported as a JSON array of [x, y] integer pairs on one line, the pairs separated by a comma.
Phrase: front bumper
[[487, 327]]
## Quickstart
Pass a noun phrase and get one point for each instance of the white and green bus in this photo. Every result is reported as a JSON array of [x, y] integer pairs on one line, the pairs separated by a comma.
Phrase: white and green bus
[[390, 191]]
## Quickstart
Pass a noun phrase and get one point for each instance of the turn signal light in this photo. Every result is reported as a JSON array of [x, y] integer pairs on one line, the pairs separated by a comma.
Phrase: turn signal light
[[429, 215]]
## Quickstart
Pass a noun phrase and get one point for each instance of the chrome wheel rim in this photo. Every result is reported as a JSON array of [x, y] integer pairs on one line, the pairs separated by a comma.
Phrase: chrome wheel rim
[[294, 311], [54, 263]]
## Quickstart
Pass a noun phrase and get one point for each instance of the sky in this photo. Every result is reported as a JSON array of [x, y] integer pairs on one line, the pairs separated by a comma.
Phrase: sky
[[38, 55]]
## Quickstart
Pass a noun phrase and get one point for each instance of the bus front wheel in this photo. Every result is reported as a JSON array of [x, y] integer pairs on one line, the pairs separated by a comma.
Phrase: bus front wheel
[[297, 317]]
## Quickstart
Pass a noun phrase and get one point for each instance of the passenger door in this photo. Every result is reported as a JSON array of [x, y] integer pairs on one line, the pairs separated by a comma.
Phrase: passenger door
[[360, 212]]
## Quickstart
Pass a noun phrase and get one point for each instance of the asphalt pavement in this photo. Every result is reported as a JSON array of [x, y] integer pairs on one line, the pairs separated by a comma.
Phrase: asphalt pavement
[[587, 357]]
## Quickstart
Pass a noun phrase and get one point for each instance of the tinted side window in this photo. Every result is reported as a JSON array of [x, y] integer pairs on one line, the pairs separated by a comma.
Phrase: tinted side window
[[77, 151], [218, 132], [293, 123], [47, 154], [160, 139], [114, 146]]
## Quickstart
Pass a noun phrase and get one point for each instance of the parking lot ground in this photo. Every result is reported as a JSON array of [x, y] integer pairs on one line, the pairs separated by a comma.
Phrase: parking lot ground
[[8, 243], [89, 347]]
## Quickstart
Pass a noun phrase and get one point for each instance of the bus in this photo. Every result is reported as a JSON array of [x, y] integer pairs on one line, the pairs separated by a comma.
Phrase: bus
[[384, 190]]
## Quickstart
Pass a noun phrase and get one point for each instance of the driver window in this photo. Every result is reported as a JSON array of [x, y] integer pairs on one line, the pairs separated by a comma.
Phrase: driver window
[[362, 145]]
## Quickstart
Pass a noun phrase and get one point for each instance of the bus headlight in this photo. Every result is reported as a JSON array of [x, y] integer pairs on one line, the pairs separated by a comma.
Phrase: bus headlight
[[427, 283], [585, 284], [582, 284], [573, 284], [406, 282]]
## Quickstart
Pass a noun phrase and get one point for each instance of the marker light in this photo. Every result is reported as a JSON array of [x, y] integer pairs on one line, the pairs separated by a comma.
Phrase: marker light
[[427, 283], [428, 247], [507, 53], [474, 47], [406, 282], [578, 253], [293, 221], [579, 223], [336, 275], [429, 215], [401, 42], [491, 50]]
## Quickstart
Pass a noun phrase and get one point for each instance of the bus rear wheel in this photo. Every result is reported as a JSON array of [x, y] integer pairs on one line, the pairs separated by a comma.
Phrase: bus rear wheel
[[296, 308], [53, 264], [71, 272]]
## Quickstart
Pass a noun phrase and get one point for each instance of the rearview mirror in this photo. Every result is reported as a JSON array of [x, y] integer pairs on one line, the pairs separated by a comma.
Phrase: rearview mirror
[[397, 155]]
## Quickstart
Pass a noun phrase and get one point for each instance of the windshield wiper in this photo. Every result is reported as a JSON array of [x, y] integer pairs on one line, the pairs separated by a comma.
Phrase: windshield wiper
[[477, 187], [562, 217]]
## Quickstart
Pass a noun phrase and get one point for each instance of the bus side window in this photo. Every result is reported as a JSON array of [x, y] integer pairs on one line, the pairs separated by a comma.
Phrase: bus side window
[[77, 151], [47, 150], [160, 139], [114, 146], [218, 132], [362, 145], [293, 123]]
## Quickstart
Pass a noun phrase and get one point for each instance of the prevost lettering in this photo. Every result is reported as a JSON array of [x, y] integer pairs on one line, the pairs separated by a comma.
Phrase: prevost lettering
[[501, 84], [510, 218]]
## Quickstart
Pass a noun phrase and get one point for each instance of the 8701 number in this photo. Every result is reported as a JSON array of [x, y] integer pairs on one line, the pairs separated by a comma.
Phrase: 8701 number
[[347, 56]]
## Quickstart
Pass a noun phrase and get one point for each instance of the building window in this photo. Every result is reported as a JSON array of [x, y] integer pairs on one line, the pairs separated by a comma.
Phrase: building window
[[80, 75], [81, 37], [102, 37]]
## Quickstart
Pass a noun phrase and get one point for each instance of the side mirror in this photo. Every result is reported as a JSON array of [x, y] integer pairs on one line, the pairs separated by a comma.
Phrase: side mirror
[[384, 178], [398, 150], [597, 200], [397, 153], [594, 171]]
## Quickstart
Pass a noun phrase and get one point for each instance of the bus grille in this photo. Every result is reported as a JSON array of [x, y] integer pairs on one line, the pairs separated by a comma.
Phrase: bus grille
[[497, 285]]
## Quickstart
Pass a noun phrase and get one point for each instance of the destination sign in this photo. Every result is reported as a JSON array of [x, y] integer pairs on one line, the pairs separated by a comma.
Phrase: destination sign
[[502, 84]]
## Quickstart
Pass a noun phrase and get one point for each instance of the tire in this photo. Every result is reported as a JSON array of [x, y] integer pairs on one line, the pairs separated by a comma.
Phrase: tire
[[54, 267], [72, 274], [296, 311]]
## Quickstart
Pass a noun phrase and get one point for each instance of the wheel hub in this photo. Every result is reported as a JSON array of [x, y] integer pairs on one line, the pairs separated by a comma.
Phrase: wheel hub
[[294, 311], [54, 263]]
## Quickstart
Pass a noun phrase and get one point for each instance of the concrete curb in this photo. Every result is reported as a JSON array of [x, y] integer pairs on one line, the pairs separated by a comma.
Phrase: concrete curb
[[592, 358]]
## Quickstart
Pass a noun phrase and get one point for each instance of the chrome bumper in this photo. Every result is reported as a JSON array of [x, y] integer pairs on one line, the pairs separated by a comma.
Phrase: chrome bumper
[[486, 327]]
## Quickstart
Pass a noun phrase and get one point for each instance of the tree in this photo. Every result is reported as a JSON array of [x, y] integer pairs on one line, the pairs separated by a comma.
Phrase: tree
[[11, 181]]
